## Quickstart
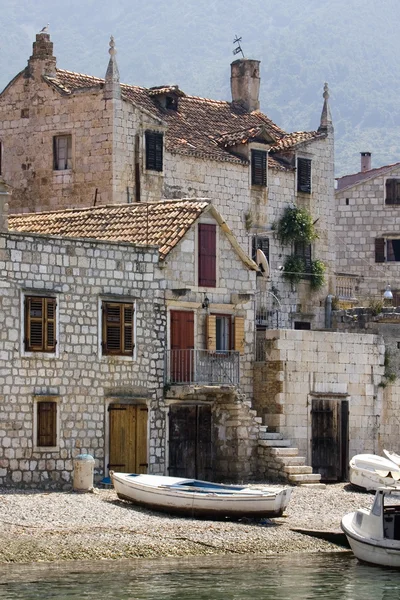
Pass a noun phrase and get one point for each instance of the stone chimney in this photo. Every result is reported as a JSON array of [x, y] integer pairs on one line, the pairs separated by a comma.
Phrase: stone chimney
[[112, 86], [245, 83], [42, 61], [4, 194], [365, 161]]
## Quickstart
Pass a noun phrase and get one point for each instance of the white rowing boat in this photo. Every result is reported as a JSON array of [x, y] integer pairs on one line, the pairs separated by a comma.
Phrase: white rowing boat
[[370, 471], [374, 535], [195, 498]]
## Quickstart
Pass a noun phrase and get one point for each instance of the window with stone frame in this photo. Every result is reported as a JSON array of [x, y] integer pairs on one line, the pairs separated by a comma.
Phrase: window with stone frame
[[46, 422], [303, 250], [40, 324], [258, 167], [387, 250], [392, 191], [118, 328], [154, 151], [62, 152], [259, 243], [304, 175]]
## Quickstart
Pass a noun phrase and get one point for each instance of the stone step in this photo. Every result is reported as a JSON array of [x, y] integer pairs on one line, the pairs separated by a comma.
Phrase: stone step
[[258, 420], [288, 451], [292, 461], [297, 469], [263, 428], [275, 443], [313, 486], [309, 478], [264, 435]]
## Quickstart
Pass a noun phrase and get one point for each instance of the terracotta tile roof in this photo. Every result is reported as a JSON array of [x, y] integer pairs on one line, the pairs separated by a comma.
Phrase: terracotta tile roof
[[354, 178], [293, 139], [160, 224], [200, 127], [166, 89]]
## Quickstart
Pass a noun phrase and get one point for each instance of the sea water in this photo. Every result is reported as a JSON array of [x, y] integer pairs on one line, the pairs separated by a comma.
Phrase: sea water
[[337, 576]]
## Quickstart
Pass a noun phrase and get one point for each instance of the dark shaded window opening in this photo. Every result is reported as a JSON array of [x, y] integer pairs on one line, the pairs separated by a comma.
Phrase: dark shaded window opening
[[258, 167], [154, 151], [305, 325], [304, 175], [171, 102], [393, 250], [392, 195], [303, 250]]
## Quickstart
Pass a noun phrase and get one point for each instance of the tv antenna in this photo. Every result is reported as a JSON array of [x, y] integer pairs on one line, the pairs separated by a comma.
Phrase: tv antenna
[[238, 49]]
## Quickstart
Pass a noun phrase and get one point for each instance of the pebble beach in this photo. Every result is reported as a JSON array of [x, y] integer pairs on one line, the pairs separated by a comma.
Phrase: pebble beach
[[39, 526]]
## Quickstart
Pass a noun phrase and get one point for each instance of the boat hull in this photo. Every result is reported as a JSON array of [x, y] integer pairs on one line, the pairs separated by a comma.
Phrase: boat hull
[[203, 504], [373, 551], [370, 472]]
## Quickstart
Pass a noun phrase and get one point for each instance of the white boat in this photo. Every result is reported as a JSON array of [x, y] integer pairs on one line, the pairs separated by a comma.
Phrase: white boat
[[195, 498], [393, 457], [370, 471], [374, 535]]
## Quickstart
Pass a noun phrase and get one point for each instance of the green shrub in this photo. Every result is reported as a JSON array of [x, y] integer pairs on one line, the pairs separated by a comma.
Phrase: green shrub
[[293, 269], [295, 225], [317, 274]]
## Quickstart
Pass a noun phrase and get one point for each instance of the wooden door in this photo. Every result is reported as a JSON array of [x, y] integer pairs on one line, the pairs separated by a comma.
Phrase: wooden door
[[182, 345], [128, 438], [190, 441], [329, 426]]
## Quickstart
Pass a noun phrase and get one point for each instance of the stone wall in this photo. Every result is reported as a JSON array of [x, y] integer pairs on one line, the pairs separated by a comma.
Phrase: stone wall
[[303, 365], [80, 274]]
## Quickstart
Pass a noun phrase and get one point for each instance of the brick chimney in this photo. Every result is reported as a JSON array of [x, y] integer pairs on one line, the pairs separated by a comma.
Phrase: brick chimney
[[245, 83], [4, 194], [365, 161], [42, 61]]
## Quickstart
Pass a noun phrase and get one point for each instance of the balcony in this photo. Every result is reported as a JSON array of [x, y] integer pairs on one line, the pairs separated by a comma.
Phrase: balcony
[[346, 287], [201, 367]]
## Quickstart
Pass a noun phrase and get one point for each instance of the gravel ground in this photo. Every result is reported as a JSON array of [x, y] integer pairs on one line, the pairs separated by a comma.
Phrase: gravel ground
[[39, 526]]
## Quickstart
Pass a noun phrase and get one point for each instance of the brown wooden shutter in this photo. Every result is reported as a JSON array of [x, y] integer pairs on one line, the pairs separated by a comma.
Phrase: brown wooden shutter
[[304, 175], [40, 324], [211, 333], [154, 151], [207, 255], [118, 337], [128, 328], [141, 440], [379, 250], [239, 334], [47, 424], [258, 167]]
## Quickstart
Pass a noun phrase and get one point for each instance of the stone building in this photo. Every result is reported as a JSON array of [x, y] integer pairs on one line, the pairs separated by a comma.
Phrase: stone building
[[368, 233], [70, 140], [128, 334]]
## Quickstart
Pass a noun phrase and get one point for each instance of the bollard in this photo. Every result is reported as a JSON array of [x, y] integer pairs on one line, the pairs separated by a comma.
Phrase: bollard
[[83, 473]]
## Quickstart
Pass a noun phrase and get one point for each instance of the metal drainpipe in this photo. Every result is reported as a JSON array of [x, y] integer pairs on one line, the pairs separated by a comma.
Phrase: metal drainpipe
[[328, 312]]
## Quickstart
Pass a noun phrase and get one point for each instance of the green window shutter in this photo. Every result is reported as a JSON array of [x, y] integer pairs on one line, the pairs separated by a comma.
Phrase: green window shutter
[[258, 167], [379, 250], [304, 175]]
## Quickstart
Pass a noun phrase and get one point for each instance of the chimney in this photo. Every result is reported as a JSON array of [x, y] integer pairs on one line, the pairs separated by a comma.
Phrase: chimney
[[42, 61], [4, 194], [245, 83], [365, 161]]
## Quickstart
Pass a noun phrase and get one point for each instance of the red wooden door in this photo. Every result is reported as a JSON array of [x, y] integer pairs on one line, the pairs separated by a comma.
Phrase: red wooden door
[[182, 345]]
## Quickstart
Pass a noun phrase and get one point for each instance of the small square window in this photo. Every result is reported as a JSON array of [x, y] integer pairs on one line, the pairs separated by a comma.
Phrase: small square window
[[40, 324], [118, 328], [62, 152], [154, 151], [259, 167], [304, 175]]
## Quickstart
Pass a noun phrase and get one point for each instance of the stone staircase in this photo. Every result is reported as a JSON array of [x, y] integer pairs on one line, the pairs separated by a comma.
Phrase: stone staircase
[[282, 462]]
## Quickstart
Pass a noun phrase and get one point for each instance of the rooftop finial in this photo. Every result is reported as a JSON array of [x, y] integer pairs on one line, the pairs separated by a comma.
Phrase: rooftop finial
[[238, 48], [112, 49], [112, 88], [326, 117]]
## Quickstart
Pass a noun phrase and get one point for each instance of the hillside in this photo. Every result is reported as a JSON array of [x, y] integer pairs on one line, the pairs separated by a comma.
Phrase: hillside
[[354, 46]]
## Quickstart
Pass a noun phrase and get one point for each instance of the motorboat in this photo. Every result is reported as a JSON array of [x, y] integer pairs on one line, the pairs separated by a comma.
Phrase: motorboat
[[370, 471], [393, 457], [374, 535], [195, 498]]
